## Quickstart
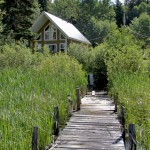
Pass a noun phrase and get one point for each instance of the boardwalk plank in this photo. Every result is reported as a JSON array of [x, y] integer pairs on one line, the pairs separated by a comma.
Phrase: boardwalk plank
[[94, 127]]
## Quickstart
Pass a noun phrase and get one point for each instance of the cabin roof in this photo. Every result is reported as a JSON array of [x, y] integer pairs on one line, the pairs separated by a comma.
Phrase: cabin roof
[[68, 29]]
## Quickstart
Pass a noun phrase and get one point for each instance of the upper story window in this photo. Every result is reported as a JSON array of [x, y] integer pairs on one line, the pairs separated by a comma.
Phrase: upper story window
[[50, 33], [62, 37]]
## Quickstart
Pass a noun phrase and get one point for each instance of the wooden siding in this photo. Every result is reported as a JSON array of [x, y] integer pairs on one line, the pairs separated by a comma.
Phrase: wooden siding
[[57, 41], [43, 42]]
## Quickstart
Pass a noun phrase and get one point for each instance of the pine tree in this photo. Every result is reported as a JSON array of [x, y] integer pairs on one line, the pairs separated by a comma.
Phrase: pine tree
[[1, 14], [44, 4], [135, 8], [119, 13], [18, 18]]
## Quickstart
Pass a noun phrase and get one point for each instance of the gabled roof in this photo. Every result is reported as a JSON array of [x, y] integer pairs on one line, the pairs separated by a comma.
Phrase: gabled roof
[[68, 29]]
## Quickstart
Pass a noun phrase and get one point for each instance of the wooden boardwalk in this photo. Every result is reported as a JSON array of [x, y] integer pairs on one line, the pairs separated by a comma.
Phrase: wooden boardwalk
[[94, 127]]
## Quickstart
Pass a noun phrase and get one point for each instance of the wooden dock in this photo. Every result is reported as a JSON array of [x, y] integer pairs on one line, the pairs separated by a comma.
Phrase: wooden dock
[[94, 127]]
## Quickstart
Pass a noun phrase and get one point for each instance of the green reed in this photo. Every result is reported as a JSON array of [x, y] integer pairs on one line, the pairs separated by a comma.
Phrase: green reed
[[28, 95], [134, 92]]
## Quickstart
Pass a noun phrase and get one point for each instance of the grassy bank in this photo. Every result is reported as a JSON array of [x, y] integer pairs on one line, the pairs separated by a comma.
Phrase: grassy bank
[[128, 71], [28, 95], [133, 93]]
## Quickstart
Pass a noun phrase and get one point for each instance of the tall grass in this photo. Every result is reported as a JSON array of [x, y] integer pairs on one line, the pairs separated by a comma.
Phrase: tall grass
[[129, 78], [134, 92], [28, 95]]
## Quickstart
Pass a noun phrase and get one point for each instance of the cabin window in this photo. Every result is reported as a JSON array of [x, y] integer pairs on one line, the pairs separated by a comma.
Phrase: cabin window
[[39, 46], [50, 33], [62, 37], [52, 48], [62, 47]]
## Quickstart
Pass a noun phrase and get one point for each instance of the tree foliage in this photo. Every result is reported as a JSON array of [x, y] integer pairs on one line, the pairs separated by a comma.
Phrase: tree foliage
[[123, 53], [45, 5], [18, 17], [128, 76], [97, 30], [119, 13], [92, 60], [136, 10], [65, 9], [141, 26], [86, 15], [100, 10], [105, 10], [1, 14]]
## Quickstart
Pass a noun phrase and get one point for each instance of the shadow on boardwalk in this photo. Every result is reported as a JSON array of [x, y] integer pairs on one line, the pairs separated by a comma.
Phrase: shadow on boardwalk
[[94, 127]]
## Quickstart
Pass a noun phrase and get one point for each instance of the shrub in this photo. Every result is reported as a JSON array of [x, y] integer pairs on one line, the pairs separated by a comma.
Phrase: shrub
[[128, 76], [15, 55], [92, 60]]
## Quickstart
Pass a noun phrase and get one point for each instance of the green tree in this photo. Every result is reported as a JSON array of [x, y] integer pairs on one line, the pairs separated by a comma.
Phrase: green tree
[[119, 13], [132, 3], [136, 10], [1, 25], [105, 10], [140, 27], [123, 53], [1, 14], [45, 5], [91, 15], [18, 18], [66, 9], [97, 30], [92, 60], [87, 9], [85, 15]]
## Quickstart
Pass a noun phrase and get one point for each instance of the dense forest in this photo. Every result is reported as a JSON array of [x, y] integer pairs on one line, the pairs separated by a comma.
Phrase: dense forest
[[32, 84]]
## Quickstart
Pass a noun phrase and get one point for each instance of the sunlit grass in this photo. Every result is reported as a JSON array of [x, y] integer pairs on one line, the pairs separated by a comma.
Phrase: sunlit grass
[[134, 92], [28, 96]]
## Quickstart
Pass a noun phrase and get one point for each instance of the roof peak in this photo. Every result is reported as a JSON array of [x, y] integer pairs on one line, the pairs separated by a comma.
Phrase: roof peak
[[67, 28]]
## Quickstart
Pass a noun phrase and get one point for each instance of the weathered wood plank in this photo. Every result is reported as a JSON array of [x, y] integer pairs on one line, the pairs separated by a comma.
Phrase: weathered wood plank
[[94, 127]]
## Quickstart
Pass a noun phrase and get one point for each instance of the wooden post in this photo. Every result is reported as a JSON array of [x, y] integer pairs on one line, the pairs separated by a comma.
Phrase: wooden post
[[122, 115], [86, 90], [70, 105], [132, 137], [122, 119], [35, 138], [56, 120], [82, 92], [116, 102], [78, 98], [115, 105]]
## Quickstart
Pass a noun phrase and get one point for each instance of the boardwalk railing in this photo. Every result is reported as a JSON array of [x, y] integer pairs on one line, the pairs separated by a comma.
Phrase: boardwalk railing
[[132, 137], [131, 143], [56, 118], [70, 105], [78, 98], [35, 138]]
